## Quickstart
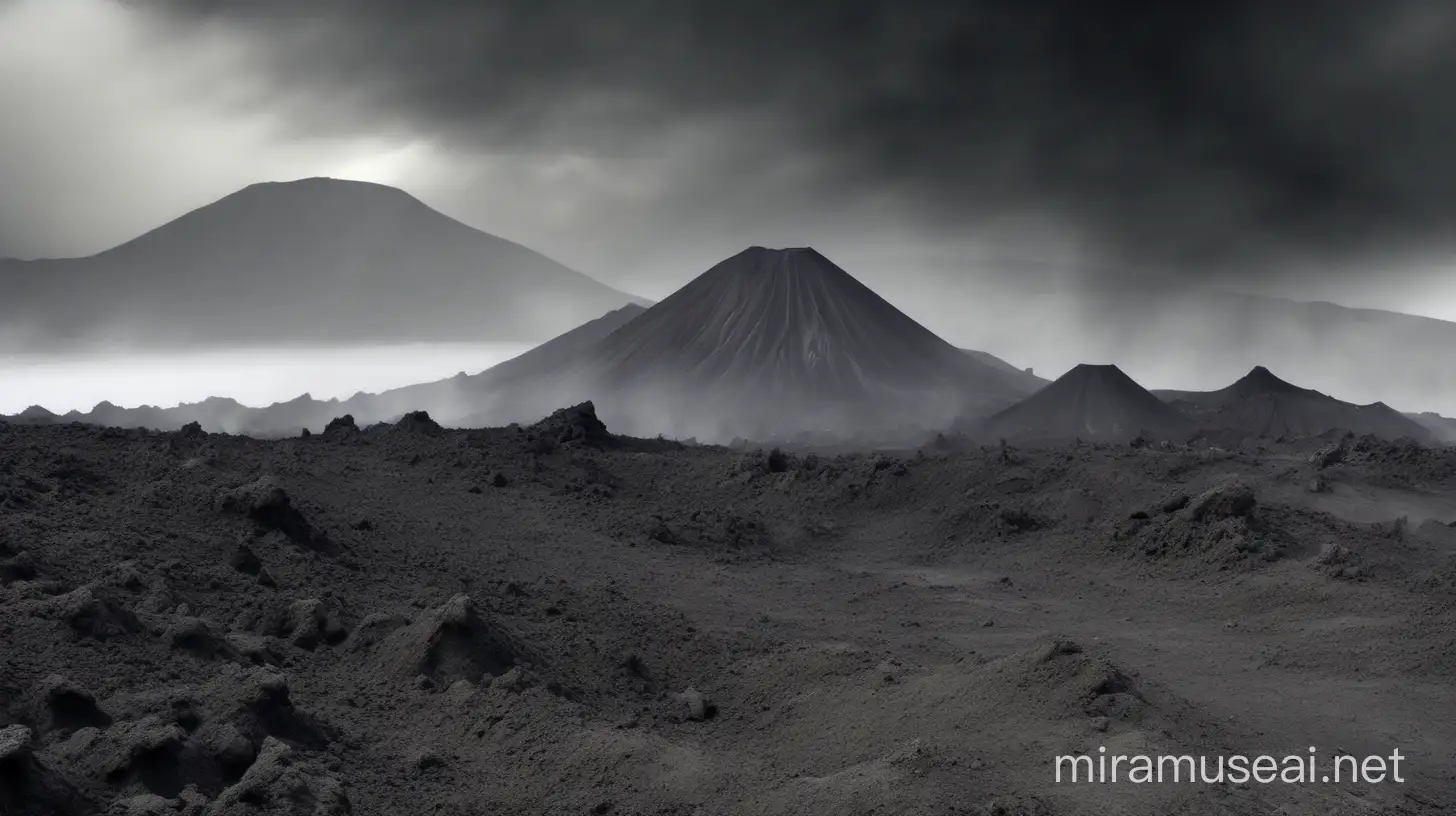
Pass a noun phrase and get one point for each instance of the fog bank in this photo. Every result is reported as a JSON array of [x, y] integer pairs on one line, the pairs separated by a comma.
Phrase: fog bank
[[254, 377]]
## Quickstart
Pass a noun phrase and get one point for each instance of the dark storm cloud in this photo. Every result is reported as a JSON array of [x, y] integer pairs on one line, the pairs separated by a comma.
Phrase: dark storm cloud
[[1167, 135]]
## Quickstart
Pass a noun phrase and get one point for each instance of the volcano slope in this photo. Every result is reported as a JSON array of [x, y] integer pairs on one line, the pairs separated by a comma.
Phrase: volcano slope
[[301, 263], [567, 368], [775, 342], [556, 620], [1088, 402], [1442, 428], [1261, 404]]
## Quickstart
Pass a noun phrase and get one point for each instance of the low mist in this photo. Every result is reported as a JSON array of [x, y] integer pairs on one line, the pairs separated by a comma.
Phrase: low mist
[[254, 377], [1195, 339]]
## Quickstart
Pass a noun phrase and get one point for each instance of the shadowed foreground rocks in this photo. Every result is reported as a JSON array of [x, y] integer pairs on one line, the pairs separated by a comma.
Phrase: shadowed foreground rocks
[[554, 619]]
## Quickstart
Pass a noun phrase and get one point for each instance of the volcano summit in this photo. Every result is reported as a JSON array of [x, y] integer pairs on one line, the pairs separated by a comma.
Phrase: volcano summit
[[1260, 404], [774, 342], [1091, 401], [315, 261]]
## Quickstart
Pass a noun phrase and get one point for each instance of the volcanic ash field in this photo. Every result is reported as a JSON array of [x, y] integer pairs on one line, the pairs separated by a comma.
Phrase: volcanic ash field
[[553, 619]]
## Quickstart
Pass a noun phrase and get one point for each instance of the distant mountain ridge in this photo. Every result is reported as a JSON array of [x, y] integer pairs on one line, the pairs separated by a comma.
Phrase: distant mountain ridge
[[769, 341], [310, 262], [453, 399], [1089, 402], [1362, 355], [1260, 404], [1442, 428], [1260, 381], [1101, 402]]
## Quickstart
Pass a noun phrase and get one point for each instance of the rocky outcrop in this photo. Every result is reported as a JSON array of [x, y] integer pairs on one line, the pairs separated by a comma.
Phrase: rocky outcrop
[[30, 786], [577, 424], [418, 422], [341, 427]]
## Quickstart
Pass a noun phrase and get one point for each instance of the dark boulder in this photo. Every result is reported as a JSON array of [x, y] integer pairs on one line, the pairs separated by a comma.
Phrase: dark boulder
[[341, 426], [578, 424], [418, 422]]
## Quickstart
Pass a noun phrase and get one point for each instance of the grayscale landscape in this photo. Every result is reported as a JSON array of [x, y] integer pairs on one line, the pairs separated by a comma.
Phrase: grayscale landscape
[[947, 394]]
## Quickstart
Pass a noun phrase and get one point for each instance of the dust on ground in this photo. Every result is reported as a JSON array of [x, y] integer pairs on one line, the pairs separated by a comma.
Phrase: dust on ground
[[556, 620]]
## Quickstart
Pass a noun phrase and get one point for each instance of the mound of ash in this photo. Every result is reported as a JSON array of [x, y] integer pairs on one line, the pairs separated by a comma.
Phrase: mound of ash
[[993, 520], [726, 535], [271, 509], [1075, 682], [457, 641], [1401, 463], [1088, 402], [1261, 404], [227, 745], [1223, 525], [91, 612]]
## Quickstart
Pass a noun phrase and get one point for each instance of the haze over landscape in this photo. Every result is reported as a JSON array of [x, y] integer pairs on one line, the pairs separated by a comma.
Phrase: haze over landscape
[[695, 409], [79, 380], [1224, 199], [302, 267]]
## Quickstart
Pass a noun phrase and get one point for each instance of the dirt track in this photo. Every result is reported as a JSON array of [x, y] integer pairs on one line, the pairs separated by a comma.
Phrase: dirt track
[[505, 622]]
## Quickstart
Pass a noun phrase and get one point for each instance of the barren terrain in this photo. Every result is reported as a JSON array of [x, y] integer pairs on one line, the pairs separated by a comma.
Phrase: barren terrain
[[556, 620]]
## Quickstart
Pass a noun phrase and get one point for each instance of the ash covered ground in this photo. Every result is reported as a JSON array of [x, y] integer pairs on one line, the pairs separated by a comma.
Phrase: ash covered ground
[[553, 619]]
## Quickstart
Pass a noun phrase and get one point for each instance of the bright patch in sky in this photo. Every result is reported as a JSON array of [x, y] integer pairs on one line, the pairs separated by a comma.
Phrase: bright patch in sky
[[393, 166]]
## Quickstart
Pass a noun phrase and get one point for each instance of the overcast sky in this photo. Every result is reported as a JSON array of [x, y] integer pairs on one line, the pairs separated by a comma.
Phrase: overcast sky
[[1280, 145]]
